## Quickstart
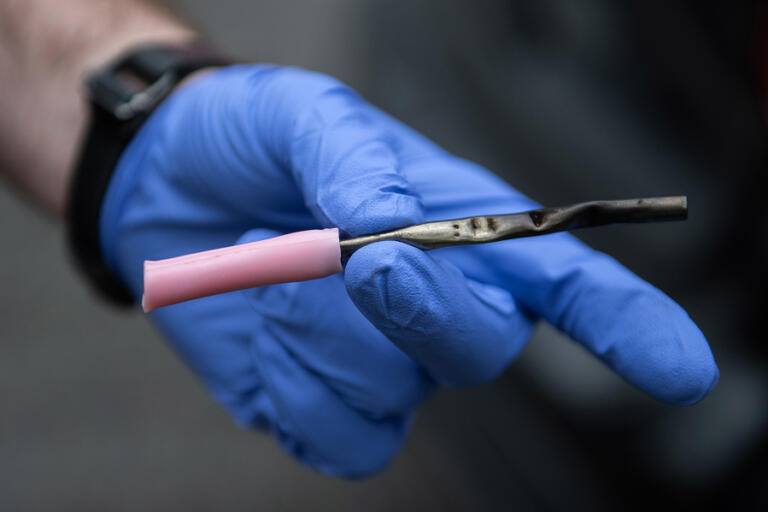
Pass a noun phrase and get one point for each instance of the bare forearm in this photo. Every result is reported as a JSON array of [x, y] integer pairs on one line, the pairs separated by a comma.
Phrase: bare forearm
[[45, 48]]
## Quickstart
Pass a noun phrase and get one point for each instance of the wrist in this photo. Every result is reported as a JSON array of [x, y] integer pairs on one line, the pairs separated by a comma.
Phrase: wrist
[[122, 96], [45, 52], [143, 31]]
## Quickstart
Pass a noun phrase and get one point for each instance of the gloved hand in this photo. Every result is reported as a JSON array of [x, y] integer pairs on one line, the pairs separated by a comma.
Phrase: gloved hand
[[335, 367]]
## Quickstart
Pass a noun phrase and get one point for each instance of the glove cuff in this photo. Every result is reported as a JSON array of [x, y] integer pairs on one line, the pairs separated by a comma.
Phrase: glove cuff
[[121, 96]]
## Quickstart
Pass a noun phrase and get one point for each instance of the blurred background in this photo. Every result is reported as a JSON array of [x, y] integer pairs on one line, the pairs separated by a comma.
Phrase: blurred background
[[568, 101]]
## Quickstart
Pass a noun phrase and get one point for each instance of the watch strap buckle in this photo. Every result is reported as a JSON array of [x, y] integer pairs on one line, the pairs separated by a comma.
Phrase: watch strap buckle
[[124, 98]]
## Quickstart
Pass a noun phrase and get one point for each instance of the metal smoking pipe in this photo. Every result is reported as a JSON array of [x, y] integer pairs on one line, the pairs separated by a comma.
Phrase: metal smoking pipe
[[493, 228]]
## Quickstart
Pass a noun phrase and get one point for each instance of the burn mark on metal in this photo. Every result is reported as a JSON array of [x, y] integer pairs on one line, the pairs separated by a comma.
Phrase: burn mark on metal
[[537, 217]]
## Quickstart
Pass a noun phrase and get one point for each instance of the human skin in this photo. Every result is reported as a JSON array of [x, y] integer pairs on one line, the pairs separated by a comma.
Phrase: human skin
[[46, 46]]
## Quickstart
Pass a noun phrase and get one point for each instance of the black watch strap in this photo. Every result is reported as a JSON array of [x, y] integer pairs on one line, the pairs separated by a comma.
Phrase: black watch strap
[[122, 95]]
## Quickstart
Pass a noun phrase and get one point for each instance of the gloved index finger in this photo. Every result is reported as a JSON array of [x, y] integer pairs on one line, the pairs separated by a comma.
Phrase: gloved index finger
[[341, 156], [630, 325]]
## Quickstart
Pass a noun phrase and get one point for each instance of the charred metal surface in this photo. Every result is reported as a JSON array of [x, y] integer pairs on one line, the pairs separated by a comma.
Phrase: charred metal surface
[[493, 228]]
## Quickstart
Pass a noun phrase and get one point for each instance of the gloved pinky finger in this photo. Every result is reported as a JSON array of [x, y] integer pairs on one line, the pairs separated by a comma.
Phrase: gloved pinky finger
[[461, 331], [312, 423]]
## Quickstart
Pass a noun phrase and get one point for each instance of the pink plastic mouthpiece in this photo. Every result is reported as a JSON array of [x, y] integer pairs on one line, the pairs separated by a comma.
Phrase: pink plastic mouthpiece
[[297, 256]]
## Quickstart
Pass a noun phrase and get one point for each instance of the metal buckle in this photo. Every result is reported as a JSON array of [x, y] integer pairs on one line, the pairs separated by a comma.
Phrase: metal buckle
[[124, 102], [147, 99]]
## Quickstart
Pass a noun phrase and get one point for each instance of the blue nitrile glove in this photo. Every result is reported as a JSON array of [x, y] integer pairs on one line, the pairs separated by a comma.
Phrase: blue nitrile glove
[[335, 367]]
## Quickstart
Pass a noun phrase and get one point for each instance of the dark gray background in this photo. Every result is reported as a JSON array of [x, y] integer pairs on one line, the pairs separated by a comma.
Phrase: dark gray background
[[603, 100]]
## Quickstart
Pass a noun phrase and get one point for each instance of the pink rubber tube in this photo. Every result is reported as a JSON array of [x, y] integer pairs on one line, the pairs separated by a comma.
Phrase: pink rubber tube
[[294, 257]]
